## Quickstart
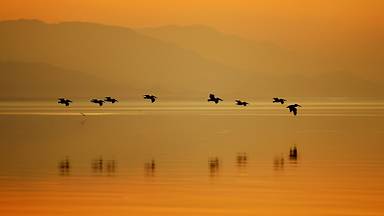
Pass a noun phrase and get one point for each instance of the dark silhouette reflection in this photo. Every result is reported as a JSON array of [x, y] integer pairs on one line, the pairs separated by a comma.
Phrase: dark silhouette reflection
[[279, 100], [150, 168], [241, 103], [98, 165], [110, 166], [150, 97], [293, 108], [110, 100], [293, 154], [241, 159], [212, 98], [84, 118], [214, 165], [278, 163], [64, 166], [97, 101], [64, 101]]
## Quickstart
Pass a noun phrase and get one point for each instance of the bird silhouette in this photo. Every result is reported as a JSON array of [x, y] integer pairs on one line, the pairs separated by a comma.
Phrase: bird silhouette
[[293, 108], [64, 101], [110, 100], [97, 101], [214, 99], [150, 97], [241, 103], [279, 100]]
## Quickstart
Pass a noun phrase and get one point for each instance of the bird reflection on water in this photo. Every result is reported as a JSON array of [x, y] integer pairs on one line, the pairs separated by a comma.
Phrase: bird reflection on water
[[278, 163], [241, 159], [293, 154], [150, 168], [100, 165], [64, 166], [214, 165], [110, 166]]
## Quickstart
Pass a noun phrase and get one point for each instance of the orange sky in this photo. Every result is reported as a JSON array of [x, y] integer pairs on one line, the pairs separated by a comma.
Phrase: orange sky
[[281, 21]]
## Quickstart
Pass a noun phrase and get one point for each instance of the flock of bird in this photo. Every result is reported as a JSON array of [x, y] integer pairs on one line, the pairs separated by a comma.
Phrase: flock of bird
[[212, 98]]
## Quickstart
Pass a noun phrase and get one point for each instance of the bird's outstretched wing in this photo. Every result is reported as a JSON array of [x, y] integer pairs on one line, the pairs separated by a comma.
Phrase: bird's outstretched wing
[[153, 99], [294, 111]]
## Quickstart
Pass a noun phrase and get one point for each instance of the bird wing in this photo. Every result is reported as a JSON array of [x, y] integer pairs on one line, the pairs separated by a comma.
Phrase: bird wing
[[294, 111], [153, 99], [211, 96]]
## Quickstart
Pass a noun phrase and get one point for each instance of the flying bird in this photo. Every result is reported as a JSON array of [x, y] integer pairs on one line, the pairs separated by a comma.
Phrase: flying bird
[[97, 101], [293, 108], [241, 103], [64, 101], [279, 100], [150, 97], [214, 99], [110, 100]]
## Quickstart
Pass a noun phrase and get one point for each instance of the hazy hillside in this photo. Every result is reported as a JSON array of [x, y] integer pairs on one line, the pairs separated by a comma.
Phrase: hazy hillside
[[266, 57], [175, 62], [113, 53], [38, 80], [230, 50]]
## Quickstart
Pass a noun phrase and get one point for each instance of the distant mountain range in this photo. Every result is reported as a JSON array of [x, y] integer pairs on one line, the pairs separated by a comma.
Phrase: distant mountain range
[[40, 60]]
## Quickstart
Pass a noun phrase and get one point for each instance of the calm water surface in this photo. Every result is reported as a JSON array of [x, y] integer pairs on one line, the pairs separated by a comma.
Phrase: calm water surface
[[339, 170]]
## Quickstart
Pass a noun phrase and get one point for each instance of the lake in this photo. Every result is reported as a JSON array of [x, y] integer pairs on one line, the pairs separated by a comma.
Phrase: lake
[[192, 158]]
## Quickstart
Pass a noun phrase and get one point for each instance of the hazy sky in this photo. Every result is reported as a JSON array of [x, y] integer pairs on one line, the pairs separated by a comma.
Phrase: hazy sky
[[286, 22]]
